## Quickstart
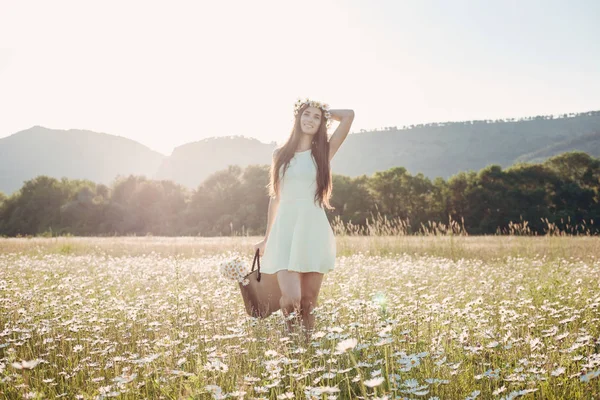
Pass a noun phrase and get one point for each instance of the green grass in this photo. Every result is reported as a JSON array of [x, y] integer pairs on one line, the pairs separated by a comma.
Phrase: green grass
[[445, 316]]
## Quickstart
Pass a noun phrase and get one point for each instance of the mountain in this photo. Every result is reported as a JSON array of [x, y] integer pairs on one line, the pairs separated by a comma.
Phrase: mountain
[[191, 163], [436, 149], [586, 143], [443, 149], [73, 153]]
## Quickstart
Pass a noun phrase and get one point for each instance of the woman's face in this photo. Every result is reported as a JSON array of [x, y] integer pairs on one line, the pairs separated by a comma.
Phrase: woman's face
[[310, 120]]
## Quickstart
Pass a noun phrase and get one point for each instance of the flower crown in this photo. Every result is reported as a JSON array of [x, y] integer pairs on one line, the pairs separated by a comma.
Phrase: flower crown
[[311, 103]]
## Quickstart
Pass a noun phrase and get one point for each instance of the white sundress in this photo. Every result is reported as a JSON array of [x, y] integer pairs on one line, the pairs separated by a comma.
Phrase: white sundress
[[301, 238]]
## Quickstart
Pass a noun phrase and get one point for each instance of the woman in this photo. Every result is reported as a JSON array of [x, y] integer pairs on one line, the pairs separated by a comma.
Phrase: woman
[[299, 245]]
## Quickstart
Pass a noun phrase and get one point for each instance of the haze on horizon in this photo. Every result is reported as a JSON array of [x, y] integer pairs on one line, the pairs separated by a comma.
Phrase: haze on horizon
[[172, 73]]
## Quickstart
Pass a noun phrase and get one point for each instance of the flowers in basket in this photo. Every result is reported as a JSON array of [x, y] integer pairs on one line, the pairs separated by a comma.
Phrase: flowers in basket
[[235, 269]]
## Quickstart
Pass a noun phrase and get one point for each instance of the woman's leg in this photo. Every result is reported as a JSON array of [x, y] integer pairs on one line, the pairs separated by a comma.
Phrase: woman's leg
[[311, 285], [290, 286]]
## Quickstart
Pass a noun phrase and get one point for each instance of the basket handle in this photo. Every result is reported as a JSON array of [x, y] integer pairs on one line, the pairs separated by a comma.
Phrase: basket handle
[[256, 261]]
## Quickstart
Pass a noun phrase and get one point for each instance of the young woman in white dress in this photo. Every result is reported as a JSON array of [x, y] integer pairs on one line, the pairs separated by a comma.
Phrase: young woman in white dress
[[299, 245]]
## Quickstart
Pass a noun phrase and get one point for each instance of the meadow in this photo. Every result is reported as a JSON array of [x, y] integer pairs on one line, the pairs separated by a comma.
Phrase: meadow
[[400, 317]]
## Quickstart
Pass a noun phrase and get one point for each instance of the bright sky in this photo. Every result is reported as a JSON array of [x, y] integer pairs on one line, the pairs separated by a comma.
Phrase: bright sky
[[173, 72]]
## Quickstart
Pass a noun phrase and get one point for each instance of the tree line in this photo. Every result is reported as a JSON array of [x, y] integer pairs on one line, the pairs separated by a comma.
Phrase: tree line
[[487, 121], [234, 201]]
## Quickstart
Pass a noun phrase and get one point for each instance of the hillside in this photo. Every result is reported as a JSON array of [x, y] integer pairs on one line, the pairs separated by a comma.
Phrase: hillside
[[191, 163], [586, 143], [73, 153], [437, 149]]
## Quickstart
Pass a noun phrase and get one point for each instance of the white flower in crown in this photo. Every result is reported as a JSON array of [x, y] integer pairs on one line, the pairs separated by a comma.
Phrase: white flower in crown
[[313, 103]]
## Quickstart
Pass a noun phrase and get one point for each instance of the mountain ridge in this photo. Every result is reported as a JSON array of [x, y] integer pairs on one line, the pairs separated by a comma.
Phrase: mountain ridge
[[436, 149]]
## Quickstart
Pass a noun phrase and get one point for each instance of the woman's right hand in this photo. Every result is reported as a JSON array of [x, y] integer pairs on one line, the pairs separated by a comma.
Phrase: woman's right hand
[[261, 246]]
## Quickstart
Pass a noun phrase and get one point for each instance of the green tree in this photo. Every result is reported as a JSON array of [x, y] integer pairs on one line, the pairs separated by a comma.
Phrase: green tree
[[216, 201], [36, 207], [352, 199]]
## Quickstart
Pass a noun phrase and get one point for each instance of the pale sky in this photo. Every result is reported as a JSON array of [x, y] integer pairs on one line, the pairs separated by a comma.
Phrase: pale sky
[[173, 72]]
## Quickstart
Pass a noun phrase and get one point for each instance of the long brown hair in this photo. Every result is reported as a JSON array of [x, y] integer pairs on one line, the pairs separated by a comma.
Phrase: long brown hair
[[320, 152]]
